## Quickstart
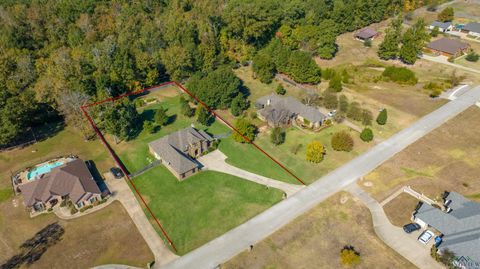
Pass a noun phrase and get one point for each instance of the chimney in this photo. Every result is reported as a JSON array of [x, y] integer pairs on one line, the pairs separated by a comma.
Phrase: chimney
[[269, 101]]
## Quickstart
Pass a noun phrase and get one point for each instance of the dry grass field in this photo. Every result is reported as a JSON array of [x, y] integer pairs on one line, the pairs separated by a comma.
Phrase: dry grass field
[[103, 237], [314, 240], [444, 160]]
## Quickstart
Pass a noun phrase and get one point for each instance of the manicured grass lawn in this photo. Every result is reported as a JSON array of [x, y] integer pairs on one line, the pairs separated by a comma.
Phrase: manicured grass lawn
[[296, 163], [203, 206], [134, 153], [103, 237]]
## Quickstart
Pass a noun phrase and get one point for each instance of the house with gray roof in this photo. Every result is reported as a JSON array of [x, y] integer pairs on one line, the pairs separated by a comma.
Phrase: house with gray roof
[[366, 34], [71, 180], [472, 28], [448, 47], [178, 150], [442, 26], [279, 111], [459, 223]]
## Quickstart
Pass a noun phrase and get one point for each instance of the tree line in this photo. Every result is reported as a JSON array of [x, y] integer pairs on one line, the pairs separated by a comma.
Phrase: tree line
[[57, 55]]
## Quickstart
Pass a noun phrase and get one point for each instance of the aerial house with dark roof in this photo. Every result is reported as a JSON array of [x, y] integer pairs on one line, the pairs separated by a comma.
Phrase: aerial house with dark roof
[[178, 150], [279, 111], [448, 47], [366, 34]]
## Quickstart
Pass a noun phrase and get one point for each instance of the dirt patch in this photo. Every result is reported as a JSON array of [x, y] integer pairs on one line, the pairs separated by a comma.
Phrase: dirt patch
[[315, 239], [103, 237], [445, 159], [399, 210]]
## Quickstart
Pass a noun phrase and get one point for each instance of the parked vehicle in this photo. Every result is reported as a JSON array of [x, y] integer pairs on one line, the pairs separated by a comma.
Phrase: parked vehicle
[[332, 113], [116, 172], [438, 240], [425, 237], [411, 227]]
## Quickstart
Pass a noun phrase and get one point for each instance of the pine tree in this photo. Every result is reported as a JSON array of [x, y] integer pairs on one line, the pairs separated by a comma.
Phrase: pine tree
[[389, 48], [161, 117], [413, 42], [382, 117], [446, 14], [203, 116], [335, 83]]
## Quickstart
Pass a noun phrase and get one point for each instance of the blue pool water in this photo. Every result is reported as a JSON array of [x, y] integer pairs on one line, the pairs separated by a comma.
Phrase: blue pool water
[[42, 169]]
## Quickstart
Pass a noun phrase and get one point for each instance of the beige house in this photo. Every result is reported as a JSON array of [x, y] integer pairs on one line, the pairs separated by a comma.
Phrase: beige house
[[71, 180], [279, 111], [177, 151]]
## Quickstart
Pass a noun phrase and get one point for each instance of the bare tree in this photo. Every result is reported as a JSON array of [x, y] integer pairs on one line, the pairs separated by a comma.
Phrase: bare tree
[[69, 103]]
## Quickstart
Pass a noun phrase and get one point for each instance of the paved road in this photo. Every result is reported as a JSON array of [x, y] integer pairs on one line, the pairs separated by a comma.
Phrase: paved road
[[240, 238], [444, 60], [123, 194], [393, 236], [215, 160]]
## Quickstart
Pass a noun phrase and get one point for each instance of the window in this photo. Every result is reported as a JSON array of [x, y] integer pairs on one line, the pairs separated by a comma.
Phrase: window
[[80, 204], [93, 199]]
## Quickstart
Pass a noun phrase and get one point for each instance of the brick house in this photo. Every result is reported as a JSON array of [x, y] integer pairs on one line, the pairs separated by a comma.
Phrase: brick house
[[178, 150], [71, 180]]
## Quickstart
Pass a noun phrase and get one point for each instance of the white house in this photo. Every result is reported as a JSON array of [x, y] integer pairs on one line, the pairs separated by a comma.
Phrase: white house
[[442, 26]]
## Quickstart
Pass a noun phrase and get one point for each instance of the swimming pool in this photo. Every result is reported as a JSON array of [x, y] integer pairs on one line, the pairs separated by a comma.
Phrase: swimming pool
[[43, 169]]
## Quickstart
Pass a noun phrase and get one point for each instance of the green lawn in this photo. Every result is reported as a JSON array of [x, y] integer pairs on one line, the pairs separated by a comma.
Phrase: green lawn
[[296, 163], [203, 206], [134, 154]]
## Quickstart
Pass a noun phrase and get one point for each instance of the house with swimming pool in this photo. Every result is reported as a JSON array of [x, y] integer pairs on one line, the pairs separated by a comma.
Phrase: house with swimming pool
[[48, 184]]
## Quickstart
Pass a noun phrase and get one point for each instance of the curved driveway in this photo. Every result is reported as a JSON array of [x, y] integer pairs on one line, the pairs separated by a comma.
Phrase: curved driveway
[[240, 238], [215, 160]]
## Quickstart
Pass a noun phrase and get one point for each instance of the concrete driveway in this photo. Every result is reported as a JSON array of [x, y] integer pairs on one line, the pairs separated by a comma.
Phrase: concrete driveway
[[215, 161], [261, 226], [405, 244], [444, 60], [122, 192]]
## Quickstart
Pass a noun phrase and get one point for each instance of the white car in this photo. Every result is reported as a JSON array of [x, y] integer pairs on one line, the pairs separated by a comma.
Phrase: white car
[[425, 237], [332, 113]]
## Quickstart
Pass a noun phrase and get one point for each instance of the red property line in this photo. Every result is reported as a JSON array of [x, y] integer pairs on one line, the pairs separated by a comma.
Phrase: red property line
[[119, 164], [238, 132], [115, 158]]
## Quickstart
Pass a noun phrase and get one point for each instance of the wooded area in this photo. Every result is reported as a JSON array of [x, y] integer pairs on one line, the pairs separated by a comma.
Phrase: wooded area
[[58, 55]]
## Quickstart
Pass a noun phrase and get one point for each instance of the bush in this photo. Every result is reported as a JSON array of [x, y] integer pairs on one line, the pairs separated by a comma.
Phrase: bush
[[239, 104], [382, 117], [161, 117], [73, 210], [280, 90], [355, 112], [150, 127], [185, 108], [315, 152], [343, 103], [472, 56], [401, 75], [63, 203], [277, 136], [366, 135], [245, 128], [349, 257], [342, 141], [367, 117], [335, 84], [367, 43], [328, 73], [83, 209]]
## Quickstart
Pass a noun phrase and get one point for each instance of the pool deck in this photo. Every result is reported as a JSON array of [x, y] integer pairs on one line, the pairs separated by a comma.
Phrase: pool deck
[[23, 176]]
